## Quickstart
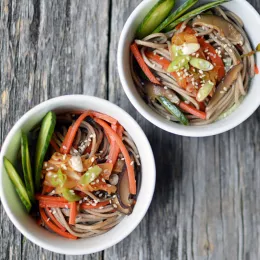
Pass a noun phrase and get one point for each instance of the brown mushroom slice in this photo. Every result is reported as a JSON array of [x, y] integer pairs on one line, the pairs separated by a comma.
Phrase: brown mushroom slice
[[154, 91], [122, 201], [224, 28], [225, 85]]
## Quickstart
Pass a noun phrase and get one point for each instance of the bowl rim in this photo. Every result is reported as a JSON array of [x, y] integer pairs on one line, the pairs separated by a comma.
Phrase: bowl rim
[[153, 117], [138, 215]]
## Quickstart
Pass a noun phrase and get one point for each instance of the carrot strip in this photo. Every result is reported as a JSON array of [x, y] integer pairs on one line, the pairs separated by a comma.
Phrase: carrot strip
[[100, 204], [73, 213], [142, 64], [105, 117], [114, 149], [256, 70], [130, 167], [47, 189], [53, 204], [53, 227], [192, 110], [165, 64], [54, 145], [56, 222], [68, 140], [50, 198]]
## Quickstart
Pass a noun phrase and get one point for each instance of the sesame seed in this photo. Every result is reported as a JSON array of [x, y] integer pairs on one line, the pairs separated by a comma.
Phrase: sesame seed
[[80, 201], [54, 212], [100, 195], [101, 207], [50, 168], [101, 151], [122, 158], [225, 89], [92, 183], [97, 181], [103, 180], [64, 147], [64, 156], [108, 185], [110, 201], [92, 159], [222, 92], [187, 102], [161, 58], [200, 71], [197, 55], [114, 205], [45, 164], [48, 219], [132, 163], [165, 87]]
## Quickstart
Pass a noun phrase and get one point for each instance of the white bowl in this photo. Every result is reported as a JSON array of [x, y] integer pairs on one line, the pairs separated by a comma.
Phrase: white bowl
[[43, 238], [251, 20]]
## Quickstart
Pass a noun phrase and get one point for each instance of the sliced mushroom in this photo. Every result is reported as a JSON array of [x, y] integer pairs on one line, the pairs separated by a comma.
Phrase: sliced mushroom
[[154, 91], [224, 28], [122, 198], [225, 85]]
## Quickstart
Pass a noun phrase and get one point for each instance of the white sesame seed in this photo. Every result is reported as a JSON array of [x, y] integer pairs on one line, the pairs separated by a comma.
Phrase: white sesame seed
[[100, 195], [122, 158], [48, 219], [50, 168], [222, 92], [132, 163], [97, 181], [161, 58], [101, 207], [64, 147], [114, 205], [45, 164], [103, 180], [92, 159]]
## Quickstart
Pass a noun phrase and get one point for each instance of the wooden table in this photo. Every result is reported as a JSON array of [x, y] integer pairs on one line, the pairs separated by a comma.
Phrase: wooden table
[[206, 200]]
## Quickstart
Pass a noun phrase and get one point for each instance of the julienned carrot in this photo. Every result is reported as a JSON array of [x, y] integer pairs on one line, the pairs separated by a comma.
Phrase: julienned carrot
[[53, 227], [73, 212], [129, 164], [114, 149], [165, 64], [47, 189], [105, 117], [53, 204], [54, 145], [192, 110], [98, 205], [68, 140], [256, 70], [50, 198], [216, 60], [142, 64], [54, 220]]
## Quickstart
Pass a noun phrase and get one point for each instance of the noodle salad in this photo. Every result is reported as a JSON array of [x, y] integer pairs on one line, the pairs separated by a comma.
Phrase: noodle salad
[[192, 67], [79, 180]]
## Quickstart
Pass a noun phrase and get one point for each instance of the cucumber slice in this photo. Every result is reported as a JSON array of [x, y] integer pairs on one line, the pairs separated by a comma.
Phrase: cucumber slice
[[18, 184], [156, 15], [194, 13], [43, 141], [175, 15], [173, 110], [27, 169]]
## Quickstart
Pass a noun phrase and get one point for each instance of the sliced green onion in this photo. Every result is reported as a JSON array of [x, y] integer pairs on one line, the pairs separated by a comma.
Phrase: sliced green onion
[[58, 179], [90, 175], [194, 13], [172, 109], [70, 195], [175, 15], [204, 91], [178, 63], [201, 64]]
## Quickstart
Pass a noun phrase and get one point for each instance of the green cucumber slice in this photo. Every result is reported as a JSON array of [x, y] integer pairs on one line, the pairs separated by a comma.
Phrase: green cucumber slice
[[156, 15], [175, 15], [43, 141], [18, 184], [194, 13], [173, 110], [27, 168]]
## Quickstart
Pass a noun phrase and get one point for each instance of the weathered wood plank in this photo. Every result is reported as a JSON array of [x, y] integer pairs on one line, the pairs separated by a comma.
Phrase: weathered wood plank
[[205, 204], [47, 49]]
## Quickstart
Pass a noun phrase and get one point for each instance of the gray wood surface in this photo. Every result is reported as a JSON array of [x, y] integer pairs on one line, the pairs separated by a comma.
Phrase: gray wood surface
[[206, 203]]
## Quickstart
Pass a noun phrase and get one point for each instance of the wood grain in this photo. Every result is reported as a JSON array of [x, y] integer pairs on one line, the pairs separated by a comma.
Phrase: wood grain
[[206, 200]]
